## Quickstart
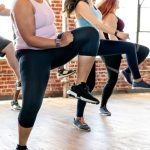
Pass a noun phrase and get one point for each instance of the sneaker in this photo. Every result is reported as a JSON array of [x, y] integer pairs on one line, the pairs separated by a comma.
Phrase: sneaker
[[65, 73], [127, 77], [18, 85], [104, 111], [81, 91], [140, 85], [15, 105], [21, 147], [80, 124]]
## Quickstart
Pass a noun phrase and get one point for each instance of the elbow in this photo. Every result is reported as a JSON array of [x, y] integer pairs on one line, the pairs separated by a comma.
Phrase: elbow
[[29, 42]]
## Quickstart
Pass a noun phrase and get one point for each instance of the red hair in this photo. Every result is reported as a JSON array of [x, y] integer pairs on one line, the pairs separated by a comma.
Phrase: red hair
[[107, 7]]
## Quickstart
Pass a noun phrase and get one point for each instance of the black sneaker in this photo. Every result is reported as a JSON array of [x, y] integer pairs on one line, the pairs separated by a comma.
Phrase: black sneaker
[[21, 147], [80, 124], [65, 73], [140, 85], [15, 105], [81, 91], [126, 77], [18, 85], [104, 111]]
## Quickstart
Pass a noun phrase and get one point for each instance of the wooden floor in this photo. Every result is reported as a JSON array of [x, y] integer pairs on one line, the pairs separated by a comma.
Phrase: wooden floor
[[127, 129]]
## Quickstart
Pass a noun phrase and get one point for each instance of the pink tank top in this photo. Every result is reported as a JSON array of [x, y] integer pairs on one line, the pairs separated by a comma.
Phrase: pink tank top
[[44, 24]]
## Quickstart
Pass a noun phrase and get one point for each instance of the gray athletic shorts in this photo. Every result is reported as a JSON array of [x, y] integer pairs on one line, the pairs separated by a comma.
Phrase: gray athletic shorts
[[3, 43]]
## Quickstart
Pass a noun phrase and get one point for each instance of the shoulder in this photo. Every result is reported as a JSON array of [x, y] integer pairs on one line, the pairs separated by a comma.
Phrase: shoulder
[[82, 2], [22, 5], [82, 6]]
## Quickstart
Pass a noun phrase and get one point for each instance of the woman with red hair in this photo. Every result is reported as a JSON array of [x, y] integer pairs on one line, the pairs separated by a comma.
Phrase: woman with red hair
[[108, 9]]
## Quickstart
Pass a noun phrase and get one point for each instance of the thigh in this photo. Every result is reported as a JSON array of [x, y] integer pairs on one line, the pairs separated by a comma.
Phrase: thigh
[[61, 56], [109, 47], [83, 44]]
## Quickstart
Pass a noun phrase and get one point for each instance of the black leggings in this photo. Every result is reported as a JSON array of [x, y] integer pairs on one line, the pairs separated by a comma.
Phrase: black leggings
[[110, 62], [35, 66]]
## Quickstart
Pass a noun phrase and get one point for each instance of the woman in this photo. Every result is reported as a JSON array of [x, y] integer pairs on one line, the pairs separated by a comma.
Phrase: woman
[[39, 50], [93, 17], [7, 48], [108, 9]]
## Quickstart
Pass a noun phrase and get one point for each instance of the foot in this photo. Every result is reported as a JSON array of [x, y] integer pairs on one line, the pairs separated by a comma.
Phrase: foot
[[127, 77], [21, 147], [81, 91], [65, 73], [104, 111], [80, 124], [18, 85], [15, 105], [140, 85]]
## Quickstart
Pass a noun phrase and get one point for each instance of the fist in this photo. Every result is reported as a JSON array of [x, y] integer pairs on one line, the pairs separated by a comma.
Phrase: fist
[[123, 36], [66, 38]]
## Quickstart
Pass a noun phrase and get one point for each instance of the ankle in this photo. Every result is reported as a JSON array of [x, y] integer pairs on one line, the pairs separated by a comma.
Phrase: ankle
[[102, 106], [137, 80]]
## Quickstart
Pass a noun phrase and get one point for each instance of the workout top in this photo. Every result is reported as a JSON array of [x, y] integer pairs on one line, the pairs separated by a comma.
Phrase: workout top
[[81, 22], [44, 25], [120, 27]]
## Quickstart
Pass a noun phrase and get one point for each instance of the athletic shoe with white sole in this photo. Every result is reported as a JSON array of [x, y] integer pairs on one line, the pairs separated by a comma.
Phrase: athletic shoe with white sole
[[81, 91]]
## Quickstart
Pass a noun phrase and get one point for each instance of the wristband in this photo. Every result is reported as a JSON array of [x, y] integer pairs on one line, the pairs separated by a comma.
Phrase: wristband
[[57, 41], [116, 32]]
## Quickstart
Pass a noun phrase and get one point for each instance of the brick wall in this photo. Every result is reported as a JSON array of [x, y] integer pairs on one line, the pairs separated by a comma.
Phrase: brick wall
[[55, 88]]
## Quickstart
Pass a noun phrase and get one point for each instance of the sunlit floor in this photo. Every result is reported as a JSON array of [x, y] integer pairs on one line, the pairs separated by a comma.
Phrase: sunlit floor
[[127, 129]]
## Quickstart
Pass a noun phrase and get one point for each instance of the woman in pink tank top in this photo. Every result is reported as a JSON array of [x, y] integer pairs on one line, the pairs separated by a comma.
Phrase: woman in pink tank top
[[39, 50]]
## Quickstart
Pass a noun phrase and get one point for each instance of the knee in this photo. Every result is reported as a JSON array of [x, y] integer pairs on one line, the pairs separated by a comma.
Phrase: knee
[[146, 51], [143, 51], [92, 41], [112, 80], [27, 117], [92, 33], [9, 48]]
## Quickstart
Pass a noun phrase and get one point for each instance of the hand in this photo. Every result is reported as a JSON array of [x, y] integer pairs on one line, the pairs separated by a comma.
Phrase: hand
[[123, 36], [2, 7], [66, 38]]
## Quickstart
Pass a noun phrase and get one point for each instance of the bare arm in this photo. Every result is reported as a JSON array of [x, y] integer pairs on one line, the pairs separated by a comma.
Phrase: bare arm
[[4, 11], [23, 14], [111, 20], [82, 7]]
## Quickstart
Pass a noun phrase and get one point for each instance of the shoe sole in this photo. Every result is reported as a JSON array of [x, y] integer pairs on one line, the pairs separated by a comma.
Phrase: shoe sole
[[60, 77], [104, 114], [72, 94], [81, 129], [15, 109], [134, 88]]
